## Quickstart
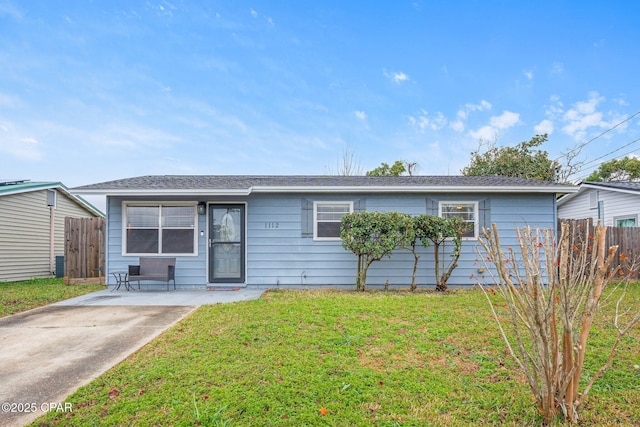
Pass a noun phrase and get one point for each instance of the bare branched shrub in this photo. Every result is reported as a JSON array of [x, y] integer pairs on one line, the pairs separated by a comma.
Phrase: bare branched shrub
[[553, 290]]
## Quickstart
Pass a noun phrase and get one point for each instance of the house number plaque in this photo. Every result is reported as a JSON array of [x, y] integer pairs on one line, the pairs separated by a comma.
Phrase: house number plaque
[[271, 225]]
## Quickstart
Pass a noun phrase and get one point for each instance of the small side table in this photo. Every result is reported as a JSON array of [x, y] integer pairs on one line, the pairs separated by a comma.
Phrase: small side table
[[122, 278]]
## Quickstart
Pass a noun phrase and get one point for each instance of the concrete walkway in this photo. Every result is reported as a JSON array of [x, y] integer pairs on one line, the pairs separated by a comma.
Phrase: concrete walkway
[[48, 352], [159, 297]]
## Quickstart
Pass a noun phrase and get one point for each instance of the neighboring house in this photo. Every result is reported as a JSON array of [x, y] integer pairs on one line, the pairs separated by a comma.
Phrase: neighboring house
[[273, 231], [32, 216], [614, 204]]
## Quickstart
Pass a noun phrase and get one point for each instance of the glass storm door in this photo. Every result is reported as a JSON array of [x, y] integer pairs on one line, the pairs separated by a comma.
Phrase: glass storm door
[[226, 243]]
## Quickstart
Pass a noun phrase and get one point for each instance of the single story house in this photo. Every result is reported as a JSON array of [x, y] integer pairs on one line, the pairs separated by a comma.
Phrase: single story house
[[32, 218], [283, 231], [614, 204]]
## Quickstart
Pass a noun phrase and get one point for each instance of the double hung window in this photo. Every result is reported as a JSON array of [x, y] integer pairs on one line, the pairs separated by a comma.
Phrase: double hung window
[[327, 217], [468, 211]]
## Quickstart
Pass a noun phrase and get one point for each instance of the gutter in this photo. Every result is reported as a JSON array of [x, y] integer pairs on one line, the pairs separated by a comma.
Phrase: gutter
[[325, 189]]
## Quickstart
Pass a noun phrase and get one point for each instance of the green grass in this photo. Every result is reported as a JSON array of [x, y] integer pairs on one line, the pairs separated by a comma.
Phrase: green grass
[[21, 296], [375, 358]]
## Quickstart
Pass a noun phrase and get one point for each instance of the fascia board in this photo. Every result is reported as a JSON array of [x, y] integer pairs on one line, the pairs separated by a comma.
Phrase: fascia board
[[47, 186], [415, 189], [164, 192], [605, 188], [326, 189]]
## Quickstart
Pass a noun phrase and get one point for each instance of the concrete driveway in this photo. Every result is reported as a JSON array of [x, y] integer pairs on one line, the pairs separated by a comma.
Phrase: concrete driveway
[[47, 353]]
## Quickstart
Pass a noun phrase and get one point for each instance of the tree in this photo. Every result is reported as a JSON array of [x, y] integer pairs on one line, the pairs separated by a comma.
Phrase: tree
[[384, 169], [373, 235], [347, 165], [436, 230], [522, 160], [617, 170], [397, 169]]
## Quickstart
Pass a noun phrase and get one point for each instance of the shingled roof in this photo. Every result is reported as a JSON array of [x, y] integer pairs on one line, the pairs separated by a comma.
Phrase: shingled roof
[[247, 184], [626, 185]]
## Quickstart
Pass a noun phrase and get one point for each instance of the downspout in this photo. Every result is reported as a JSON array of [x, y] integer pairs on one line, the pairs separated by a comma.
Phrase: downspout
[[52, 238]]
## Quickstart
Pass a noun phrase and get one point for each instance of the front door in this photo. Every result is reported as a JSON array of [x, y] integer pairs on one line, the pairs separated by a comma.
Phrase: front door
[[226, 243]]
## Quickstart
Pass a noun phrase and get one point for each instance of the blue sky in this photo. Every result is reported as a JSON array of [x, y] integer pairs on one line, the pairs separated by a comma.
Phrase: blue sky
[[92, 91]]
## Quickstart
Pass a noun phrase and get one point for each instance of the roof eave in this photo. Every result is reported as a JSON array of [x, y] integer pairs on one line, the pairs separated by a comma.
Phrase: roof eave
[[417, 189], [606, 187], [327, 189], [162, 192]]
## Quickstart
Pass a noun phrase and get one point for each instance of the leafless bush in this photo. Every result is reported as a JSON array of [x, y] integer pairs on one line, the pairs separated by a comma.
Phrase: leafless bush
[[553, 290]]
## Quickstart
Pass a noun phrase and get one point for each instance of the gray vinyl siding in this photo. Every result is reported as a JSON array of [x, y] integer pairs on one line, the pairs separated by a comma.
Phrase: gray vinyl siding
[[24, 233], [287, 255], [615, 204]]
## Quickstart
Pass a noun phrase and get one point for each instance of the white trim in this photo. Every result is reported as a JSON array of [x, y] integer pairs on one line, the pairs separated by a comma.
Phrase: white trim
[[315, 218], [476, 214], [150, 203], [587, 186], [625, 217]]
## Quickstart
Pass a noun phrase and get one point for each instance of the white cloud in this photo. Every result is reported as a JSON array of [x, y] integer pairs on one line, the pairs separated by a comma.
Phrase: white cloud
[[457, 125], [506, 120], [583, 116], [254, 13], [583, 119], [396, 76], [422, 121], [485, 133], [529, 75], [463, 113], [545, 126]]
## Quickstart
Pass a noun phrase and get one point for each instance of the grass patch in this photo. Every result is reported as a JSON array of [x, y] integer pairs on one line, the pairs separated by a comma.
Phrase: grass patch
[[339, 358], [21, 296]]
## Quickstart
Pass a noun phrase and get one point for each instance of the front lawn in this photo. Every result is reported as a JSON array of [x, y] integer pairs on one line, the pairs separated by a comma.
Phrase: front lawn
[[22, 296], [296, 358]]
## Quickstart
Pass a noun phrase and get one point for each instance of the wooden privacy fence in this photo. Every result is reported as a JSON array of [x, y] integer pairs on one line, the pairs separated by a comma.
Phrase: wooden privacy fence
[[626, 238], [84, 260]]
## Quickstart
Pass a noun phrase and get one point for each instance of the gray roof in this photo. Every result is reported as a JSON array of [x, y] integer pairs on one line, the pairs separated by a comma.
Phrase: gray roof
[[626, 185], [247, 184]]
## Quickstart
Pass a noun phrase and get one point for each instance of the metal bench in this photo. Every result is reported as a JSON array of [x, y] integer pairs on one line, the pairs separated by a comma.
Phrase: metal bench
[[154, 269]]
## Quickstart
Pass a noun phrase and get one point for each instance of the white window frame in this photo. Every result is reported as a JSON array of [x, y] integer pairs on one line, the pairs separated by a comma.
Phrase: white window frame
[[476, 214], [159, 205], [617, 219], [594, 197], [349, 204]]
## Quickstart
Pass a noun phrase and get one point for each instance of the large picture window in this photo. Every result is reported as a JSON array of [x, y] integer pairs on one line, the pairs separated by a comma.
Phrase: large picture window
[[327, 217], [468, 211], [160, 229]]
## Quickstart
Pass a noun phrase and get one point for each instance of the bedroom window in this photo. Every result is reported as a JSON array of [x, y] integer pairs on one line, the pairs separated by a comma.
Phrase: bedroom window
[[468, 211], [160, 229], [327, 217]]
